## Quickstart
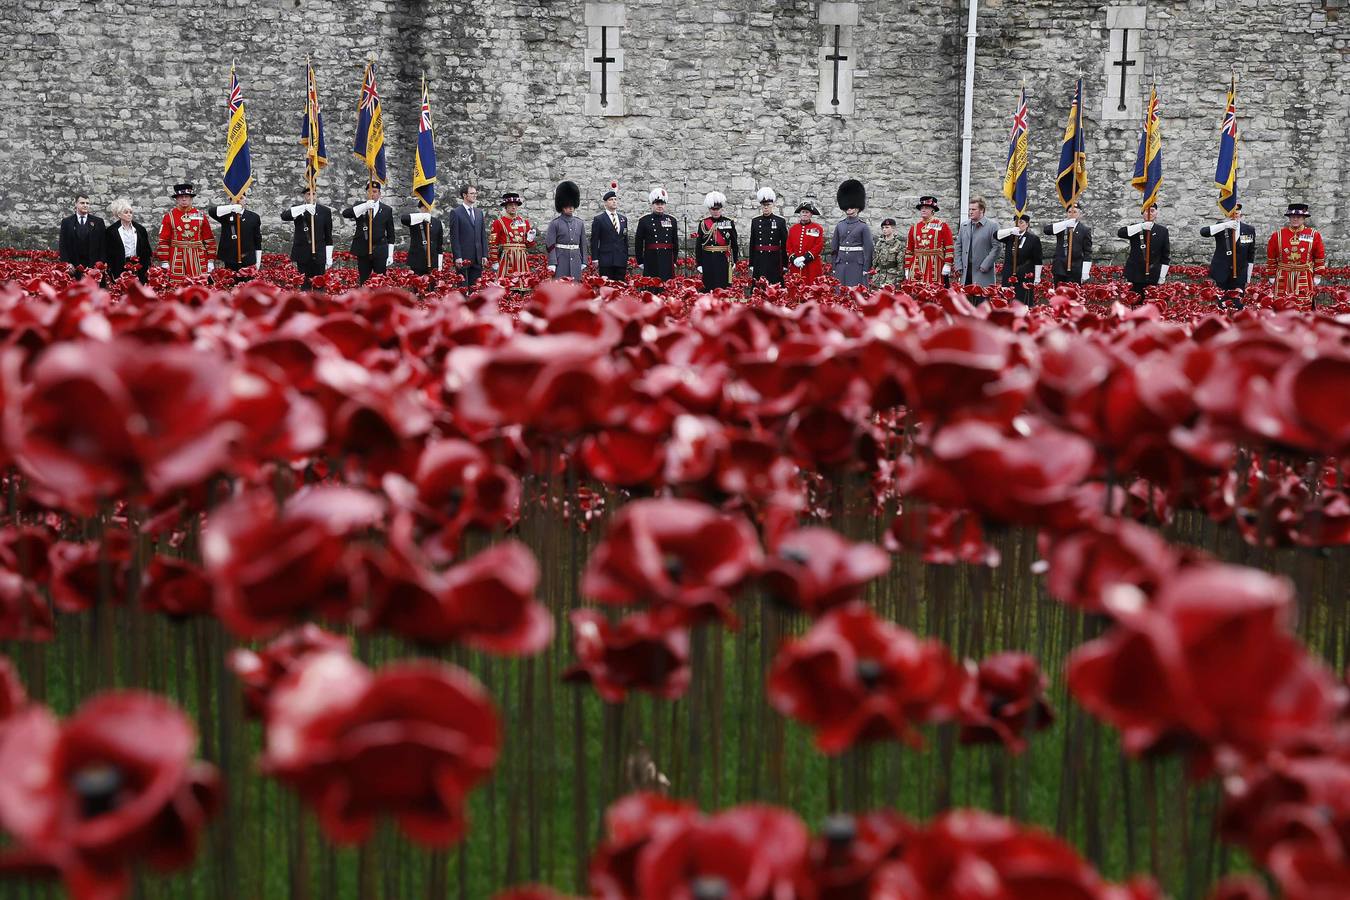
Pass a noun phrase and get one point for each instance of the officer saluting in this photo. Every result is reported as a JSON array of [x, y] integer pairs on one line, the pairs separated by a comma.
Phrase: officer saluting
[[426, 241], [768, 241], [373, 243], [240, 235], [656, 242], [1022, 259], [312, 245], [1234, 255], [1150, 252]]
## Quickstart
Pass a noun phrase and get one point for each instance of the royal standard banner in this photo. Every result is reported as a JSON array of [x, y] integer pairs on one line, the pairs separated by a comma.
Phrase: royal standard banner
[[1225, 174], [1015, 173], [311, 130], [1148, 174], [238, 162], [1073, 154], [424, 161], [369, 143]]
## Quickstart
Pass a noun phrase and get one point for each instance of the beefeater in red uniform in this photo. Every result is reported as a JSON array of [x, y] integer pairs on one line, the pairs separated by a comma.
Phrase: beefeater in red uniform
[[187, 248], [510, 238], [929, 250], [1296, 254], [806, 244]]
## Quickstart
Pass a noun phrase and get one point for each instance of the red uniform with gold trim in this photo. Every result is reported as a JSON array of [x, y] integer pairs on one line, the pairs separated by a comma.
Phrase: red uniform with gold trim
[[509, 238], [928, 248], [185, 243], [1297, 256], [808, 241]]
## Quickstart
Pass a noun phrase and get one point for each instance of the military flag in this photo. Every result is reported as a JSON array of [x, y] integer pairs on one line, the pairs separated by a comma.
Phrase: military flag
[[424, 160], [311, 130], [1225, 175], [1073, 155], [1148, 173], [369, 143], [238, 162], [1015, 173]]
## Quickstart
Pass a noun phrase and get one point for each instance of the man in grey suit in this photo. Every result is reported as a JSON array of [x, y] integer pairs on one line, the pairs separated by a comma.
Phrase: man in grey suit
[[468, 236], [977, 248]]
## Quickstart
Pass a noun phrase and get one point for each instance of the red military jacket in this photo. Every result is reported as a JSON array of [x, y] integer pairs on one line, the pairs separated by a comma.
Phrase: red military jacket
[[928, 248], [1296, 256], [185, 243], [508, 240], [807, 241]]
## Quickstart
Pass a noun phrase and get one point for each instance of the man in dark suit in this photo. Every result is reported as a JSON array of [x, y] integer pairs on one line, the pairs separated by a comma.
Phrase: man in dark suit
[[609, 240], [82, 237], [373, 243], [468, 236], [1234, 255], [1022, 259], [1150, 252], [425, 241], [240, 241], [1073, 247], [312, 245]]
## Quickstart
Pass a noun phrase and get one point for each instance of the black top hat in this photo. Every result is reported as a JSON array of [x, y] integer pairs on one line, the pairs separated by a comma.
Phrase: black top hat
[[184, 189], [512, 197], [852, 195], [809, 207], [927, 201], [885, 222], [565, 195], [1298, 209]]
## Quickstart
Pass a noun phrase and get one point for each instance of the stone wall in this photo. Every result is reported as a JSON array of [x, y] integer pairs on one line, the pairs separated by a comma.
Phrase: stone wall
[[124, 99]]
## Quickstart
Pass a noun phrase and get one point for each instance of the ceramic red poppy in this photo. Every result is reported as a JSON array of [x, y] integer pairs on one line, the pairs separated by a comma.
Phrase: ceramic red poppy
[[12, 695], [24, 614], [630, 824], [490, 601], [176, 588], [639, 653], [847, 853], [941, 536], [1004, 702], [84, 574], [1084, 566], [817, 569], [260, 671]]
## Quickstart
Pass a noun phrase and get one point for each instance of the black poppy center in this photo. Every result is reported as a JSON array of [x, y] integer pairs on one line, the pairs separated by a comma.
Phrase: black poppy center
[[794, 555], [997, 704], [869, 673], [99, 788], [710, 887], [673, 566], [840, 830]]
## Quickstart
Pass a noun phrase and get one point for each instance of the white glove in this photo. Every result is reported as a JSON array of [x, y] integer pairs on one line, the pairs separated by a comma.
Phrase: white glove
[[229, 208], [700, 270], [440, 261], [258, 262], [529, 235], [1135, 228], [799, 261], [1272, 281], [390, 260], [1003, 233], [907, 274], [418, 218], [298, 211], [1061, 225], [1162, 272], [362, 208], [210, 266], [309, 208], [1038, 274], [1087, 267], [164, 265], [328, 253], [553, 268], [1317, 280], [1250, 266], [1147, 226], [946, 268]]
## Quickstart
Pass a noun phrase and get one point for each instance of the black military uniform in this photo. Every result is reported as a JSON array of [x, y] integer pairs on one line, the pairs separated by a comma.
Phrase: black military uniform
[[310, 262], [1021, 257], [1234, 255], [656, 242], [1150, 255], [240, 242], [417, 246], [716, 247], [1073, 247], [768, 242], [373, 243]]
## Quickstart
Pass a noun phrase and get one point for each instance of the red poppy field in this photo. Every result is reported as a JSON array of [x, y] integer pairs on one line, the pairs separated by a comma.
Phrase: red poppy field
[[797, 594]]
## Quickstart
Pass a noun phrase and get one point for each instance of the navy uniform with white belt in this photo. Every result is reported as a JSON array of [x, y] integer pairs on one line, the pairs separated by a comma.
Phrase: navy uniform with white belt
[[565, 239]]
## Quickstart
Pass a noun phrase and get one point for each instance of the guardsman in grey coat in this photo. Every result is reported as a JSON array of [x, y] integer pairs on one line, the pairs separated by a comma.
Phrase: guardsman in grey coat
[[565, 239], [1234, 255], [851, 248], [977, 248]]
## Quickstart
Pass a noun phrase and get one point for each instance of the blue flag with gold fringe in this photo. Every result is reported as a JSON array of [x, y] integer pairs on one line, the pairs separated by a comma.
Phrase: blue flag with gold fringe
[[424, 161], [311, 130], [369, 144], [238, 162], [1073, 154], [1225, 175], [1015, 173], [1148, 174]]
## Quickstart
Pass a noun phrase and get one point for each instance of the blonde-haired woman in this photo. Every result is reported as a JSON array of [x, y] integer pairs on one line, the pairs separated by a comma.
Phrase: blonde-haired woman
[[126, 240]]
